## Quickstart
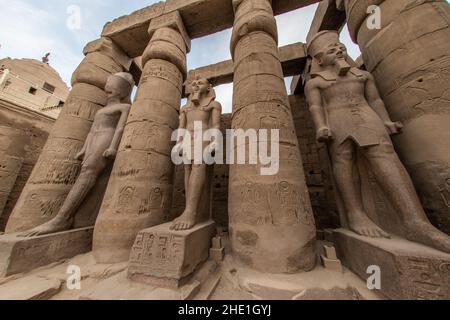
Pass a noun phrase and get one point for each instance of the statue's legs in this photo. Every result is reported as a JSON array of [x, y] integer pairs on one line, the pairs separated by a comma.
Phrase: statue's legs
[[195, 180], [65, 217], [349, 184], [187, 176], [395, 181]]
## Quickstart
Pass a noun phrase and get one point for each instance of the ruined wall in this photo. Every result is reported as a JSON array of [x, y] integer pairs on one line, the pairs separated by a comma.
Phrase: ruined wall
[[23, 134], [314, 162]]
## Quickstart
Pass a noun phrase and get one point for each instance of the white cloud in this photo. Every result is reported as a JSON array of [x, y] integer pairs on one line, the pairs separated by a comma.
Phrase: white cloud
[[27, 31]]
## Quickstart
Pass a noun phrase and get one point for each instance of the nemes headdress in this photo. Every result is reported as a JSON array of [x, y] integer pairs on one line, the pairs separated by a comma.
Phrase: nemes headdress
[[320, 41], [127, 77], [318, 44], [188, 91]]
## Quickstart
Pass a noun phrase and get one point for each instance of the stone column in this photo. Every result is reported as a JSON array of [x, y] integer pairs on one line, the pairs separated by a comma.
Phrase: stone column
[[139, 194], [56, 170], [272, 227], [12, 151], [410, 60]]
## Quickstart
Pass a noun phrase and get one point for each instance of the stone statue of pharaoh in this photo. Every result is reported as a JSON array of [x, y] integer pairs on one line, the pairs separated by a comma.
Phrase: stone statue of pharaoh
[[201, 111], [99, 150], [351, 117]]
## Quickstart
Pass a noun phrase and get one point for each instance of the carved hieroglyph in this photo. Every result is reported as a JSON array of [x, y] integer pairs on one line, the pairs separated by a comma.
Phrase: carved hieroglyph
[[351, 118], [99, 149], [271, 221], [412, 271], [167, 258], [410, 60], [56, 170], [140, 188]]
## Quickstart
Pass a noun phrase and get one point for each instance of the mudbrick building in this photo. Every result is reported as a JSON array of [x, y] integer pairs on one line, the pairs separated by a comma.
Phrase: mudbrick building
[[363, 162]]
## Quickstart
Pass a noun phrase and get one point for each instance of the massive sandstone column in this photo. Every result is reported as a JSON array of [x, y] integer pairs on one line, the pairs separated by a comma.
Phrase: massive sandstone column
[[272, 227], [12, 151], [410, 59], [56, 170], [141, 184]]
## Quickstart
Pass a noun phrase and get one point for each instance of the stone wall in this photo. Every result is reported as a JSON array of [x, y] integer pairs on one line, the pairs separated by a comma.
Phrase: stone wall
[[25, 133], [315, 164]]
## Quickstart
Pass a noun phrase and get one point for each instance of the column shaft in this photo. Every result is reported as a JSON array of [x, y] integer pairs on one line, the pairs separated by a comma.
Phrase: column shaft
[[12, 152], [271, 222], [139, 194]]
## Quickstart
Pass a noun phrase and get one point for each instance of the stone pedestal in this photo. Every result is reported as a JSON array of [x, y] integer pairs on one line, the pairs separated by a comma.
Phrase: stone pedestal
[[166, 258], [20, 255], [217, 251], [329, 259], [408, 270]]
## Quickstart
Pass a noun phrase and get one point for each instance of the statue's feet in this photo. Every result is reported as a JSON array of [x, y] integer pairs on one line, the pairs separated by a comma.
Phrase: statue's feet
[[53, 226], [425, 233], [366, 227], [185, 222]]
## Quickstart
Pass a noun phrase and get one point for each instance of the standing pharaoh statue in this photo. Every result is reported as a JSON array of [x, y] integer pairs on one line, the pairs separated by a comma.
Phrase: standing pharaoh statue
[[351, 118], [98, 151], [200, 115]]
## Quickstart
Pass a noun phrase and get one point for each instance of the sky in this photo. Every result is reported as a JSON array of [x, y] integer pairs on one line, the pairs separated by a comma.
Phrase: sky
[[31, 28]]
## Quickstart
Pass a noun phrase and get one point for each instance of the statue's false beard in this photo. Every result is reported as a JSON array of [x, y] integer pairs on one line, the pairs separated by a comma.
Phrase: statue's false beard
[[344, 67], [196, 97]]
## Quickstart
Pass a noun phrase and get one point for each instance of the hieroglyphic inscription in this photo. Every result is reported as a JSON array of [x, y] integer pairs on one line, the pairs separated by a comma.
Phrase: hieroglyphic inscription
[[158, 253], [431, 279]]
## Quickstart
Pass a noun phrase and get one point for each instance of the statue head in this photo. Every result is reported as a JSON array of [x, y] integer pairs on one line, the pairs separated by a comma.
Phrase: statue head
[[198, 88], [120, 86], [326, 49]]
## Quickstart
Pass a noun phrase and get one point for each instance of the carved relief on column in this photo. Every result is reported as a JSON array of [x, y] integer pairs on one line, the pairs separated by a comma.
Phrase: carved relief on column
[[410, 60], [271, 221], [56, 170], [139, 194]]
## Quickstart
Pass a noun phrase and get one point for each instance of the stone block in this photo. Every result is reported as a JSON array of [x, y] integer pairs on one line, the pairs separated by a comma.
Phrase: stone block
[[21, 255], [331, 264], [330, 252], [217, 251], [217, 243], [408, 270], [30, 288], [166, 258], [171, 20], [217, 255]]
